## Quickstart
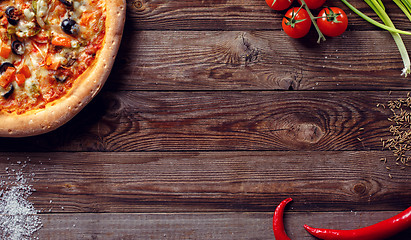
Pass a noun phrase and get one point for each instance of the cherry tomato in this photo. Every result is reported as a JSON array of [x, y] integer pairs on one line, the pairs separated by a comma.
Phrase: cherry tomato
[[279, 4], [332, 22], [313, 4], [296, 22]]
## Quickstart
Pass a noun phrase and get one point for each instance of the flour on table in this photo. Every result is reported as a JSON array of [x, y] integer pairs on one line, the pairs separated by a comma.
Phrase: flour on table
[[18, 217]]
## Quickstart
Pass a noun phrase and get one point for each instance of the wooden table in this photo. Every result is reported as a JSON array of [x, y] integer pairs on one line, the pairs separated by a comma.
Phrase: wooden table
[[212, 116]]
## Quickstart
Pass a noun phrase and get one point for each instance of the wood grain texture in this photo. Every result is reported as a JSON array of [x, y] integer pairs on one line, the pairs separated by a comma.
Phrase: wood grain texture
[[210, 181], [221, 121], [212, 116], [200, 225], [256, 60], [234, 15]]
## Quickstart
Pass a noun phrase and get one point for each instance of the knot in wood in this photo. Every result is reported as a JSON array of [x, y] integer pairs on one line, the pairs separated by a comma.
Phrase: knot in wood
[[307, 133], [138, 5], [360, 188]]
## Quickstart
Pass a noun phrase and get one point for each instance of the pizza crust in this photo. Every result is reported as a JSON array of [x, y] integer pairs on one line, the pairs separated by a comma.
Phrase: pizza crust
[[58, 112]]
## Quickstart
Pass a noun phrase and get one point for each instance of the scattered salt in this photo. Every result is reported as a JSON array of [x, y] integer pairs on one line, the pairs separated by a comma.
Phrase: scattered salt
[[18, 217]]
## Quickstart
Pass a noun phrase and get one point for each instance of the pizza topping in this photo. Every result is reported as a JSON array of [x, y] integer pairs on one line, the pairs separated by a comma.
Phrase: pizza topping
[[7, 77], [68, 60], [24, 29], [8, 92], [13, 15], [41, 37], [7, 71], [18, 47], [45, 45], [20, 79], [25, 70], [60, 79], [4, 66], [5, 50], [52, 63], [61, 41], [69, 26], [40, 8], [29, 14], [68, 3]]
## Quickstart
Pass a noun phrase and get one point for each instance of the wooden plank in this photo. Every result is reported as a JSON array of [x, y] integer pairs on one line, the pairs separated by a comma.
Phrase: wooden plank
[[233, 15], [221, 121], [256, 60], [199, 225], [210, 181]]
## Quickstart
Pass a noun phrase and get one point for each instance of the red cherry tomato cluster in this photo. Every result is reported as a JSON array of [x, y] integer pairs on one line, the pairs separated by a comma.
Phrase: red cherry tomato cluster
[[330, 21]]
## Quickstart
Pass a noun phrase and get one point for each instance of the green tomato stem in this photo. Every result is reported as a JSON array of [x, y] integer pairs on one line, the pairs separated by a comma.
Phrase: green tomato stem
[[320, 34]]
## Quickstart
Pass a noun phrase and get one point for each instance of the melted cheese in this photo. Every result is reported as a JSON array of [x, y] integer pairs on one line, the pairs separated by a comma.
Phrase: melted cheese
[[42, 8]]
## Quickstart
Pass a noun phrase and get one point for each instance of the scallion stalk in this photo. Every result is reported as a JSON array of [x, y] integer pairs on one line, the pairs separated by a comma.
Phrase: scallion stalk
[[381, 4], [372, 21], [405, 6], [379, 9], [397, 38]]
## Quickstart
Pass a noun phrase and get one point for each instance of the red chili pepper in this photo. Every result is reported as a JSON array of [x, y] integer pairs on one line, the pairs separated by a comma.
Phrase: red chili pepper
[[378, 231], [278, 223]]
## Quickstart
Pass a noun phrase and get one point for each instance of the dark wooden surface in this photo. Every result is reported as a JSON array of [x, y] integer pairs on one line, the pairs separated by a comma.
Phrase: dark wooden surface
[[212, 116]]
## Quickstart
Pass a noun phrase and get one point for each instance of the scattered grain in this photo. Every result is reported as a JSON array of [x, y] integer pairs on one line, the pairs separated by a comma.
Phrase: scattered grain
[[400, 142]]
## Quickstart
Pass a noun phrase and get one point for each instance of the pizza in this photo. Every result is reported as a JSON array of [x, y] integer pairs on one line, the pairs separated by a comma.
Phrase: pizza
[[55, 56]]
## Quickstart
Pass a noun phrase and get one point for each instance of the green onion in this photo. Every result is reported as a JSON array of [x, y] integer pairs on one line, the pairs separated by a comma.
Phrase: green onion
[[381, 4], [397, 38], [405, 6], [372, 21], [379, 9]]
